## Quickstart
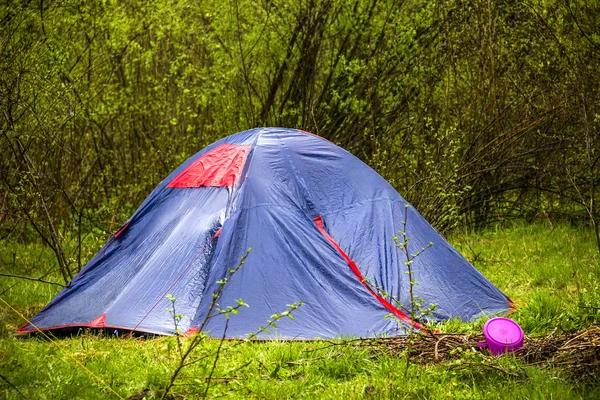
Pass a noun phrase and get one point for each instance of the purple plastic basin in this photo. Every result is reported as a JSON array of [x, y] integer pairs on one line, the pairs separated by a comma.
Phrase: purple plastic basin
[[503, 335]]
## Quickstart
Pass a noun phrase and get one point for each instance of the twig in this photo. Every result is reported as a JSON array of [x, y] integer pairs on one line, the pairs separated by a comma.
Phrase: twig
[[216, 359], [29, 278], [435, 352], [12, 385]]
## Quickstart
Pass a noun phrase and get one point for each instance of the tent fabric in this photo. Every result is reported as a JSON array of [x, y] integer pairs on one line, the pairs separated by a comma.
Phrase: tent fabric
[[318, 222], [219, 167]]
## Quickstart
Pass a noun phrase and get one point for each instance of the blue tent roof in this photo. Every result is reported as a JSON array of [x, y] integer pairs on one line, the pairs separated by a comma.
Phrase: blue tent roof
[[319, 222]]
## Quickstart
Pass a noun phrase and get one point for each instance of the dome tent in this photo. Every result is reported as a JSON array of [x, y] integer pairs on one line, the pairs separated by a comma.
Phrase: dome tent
[[319, 222]]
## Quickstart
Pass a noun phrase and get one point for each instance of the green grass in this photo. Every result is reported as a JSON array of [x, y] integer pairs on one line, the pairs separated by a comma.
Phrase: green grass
[[552, 273]]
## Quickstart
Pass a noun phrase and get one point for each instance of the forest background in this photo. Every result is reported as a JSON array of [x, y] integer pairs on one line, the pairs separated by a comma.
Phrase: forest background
[[476, 111]]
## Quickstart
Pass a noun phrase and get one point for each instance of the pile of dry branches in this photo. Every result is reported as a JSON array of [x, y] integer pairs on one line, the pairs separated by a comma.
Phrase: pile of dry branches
[[576, 353]]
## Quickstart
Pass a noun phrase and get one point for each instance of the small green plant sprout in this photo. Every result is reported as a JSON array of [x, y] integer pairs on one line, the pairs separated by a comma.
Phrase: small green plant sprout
[[231, 309], [417, 309], [275, 318], [176, 317], [214, 309], [209, 358], [176, 321]]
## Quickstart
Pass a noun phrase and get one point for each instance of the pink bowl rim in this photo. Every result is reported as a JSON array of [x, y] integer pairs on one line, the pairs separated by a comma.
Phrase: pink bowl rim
[[489, 338]]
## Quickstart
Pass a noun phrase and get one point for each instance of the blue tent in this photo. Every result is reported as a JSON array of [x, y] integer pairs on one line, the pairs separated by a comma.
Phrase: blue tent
[[320, 224]]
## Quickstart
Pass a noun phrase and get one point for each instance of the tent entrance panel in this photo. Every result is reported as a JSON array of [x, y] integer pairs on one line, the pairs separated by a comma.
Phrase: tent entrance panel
[[166, 251]]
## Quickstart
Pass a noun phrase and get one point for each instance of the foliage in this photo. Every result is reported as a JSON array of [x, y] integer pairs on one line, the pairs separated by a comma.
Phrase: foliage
[[551, 272], [476, 111]]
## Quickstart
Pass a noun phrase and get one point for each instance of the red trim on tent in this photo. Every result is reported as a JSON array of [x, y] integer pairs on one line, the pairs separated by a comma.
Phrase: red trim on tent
[[512, 307], [121, 229], [219, 167], [99, 322], [319, 221], [115, 236], [23, 328], [190, 332]]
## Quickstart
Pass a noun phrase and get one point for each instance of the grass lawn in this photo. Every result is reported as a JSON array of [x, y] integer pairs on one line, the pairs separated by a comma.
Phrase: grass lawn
[[551, 272]]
